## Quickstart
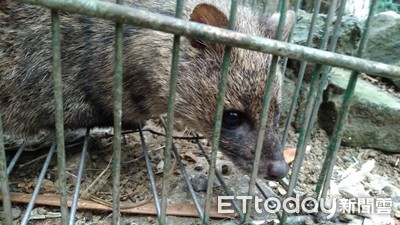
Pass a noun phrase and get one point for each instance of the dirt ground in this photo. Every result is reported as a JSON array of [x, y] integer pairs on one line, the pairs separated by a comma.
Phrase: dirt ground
[[135, 188]]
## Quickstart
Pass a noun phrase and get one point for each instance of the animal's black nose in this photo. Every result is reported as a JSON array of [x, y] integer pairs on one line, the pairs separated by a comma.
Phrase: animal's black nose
[[276, 170]]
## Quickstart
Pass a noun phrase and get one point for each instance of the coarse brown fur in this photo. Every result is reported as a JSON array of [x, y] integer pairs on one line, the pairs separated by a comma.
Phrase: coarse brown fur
[[87, 52]]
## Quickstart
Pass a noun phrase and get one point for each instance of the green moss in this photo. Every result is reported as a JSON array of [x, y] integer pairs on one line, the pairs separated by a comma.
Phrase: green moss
[[364, 92]]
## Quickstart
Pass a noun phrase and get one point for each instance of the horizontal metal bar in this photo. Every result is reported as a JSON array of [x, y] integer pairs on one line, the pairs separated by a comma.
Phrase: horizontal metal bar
[[143, 18]]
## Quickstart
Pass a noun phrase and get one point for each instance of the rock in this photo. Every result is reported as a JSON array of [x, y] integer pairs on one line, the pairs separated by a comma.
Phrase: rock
[[383, 41], [199, 167], [288, 89], [297, 220], [373, 116], [225, 223], [15, 213], [396, 210], [199, 182], [226, 169], [273, 184], [348, 218], [287, 95], [393, 192], [349, 32], [380, 219], [349, 37], [353, 191]]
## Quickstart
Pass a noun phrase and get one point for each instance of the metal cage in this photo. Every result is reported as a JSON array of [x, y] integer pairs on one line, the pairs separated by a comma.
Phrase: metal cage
[[324, 58]]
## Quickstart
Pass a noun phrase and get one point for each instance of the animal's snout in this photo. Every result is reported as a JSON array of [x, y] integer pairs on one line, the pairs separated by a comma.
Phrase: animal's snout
[[272, 164], [275, 169]]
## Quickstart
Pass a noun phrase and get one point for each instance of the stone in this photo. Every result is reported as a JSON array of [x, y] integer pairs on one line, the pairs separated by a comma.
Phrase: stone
[[373, 120], [199, 182], [383, 41], [348, 37], [288, 87]]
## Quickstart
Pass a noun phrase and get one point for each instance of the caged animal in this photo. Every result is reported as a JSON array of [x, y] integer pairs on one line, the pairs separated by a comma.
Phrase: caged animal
[[87, 54]]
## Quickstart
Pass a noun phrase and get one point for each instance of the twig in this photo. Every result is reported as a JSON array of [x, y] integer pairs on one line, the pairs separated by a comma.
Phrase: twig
[[147, 209]]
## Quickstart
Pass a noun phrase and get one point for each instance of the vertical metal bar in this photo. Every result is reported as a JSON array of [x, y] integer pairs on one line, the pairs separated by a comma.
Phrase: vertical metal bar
[[334, 145], [35, 193], [150, 173], [116, 162], [325, 69], [15, 158], [170, 116], [314, 99], [300, 75], [296, 9], [265, 111], [312, 106], [297, 162], [4, 181], [79, 178], [314, 103], [264, 6], [302, 70], [218, 114], [185, 177], [221, 180], [59, 114]]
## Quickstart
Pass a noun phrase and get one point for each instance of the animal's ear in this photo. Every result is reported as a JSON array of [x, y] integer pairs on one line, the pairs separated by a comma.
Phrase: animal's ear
[[210, 15], [271, 25]]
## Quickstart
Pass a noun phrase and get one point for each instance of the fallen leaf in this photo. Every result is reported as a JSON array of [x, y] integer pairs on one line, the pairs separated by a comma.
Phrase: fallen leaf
[[289, 154], [190, 157]]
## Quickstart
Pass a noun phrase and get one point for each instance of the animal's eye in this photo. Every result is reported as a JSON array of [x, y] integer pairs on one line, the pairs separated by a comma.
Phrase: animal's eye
[[232, 119]]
